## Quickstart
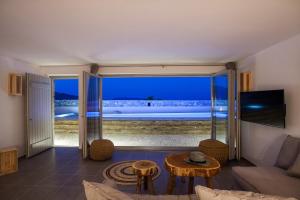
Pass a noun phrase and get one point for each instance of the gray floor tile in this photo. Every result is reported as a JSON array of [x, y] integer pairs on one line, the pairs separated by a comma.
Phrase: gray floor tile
[[67, 193], [12, 192], [55, 180], [58, 174], [41, 193]]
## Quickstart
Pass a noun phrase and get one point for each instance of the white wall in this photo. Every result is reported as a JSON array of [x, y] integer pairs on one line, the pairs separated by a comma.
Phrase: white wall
[[12, 128], [277, 67]]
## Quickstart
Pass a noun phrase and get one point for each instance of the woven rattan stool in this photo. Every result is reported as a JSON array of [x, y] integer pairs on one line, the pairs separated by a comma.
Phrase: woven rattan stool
[[101, 149], [215, 149]]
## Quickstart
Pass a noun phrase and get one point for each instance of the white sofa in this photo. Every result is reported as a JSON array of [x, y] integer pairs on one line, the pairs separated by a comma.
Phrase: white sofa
[[273, 180], [99, 191]]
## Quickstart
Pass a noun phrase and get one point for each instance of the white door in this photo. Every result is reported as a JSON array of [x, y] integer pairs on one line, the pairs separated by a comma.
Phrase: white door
[[39, 123]]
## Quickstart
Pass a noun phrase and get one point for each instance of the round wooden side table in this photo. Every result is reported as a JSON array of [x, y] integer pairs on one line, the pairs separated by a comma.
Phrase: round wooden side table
[[177, 166], [144, 169]]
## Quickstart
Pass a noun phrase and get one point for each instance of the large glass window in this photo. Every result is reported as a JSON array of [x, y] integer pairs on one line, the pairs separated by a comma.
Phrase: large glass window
[[220, 110], [157, 111]]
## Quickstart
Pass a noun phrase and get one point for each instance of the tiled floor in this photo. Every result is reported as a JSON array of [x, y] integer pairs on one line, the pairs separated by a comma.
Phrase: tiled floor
[[58, 174]]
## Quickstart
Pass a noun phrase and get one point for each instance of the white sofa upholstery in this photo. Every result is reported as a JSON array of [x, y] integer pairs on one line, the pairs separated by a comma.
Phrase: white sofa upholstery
[[100, 191], [267, 180], [273, 180]]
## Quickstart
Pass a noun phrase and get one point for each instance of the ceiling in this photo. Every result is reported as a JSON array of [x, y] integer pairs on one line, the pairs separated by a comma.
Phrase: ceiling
[[68, 32]]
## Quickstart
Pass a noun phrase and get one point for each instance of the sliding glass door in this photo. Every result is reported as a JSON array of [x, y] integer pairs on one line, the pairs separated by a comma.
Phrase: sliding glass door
[[224, 108], [160, 111], [220, 106], [92, 109]]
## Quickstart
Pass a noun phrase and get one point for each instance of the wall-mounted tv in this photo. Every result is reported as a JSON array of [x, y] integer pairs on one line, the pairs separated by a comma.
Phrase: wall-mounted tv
[[263, 107]]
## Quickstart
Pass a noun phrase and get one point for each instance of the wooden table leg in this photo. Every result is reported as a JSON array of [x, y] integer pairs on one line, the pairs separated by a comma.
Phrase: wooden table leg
[[171, 183], [150, 185], [139, 184], [146, 182], [182, 179], [191, 185], [208, 182]]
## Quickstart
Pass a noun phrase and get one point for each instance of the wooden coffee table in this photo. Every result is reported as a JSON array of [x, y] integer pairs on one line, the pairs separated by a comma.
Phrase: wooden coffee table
[[177, 166]]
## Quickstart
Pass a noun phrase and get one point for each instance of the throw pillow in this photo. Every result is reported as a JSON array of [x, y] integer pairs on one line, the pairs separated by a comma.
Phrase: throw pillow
[[294, 170], [205, 193], [110, 183], [288, 152], [99, 191]]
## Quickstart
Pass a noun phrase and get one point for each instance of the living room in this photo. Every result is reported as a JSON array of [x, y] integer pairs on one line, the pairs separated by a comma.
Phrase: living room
[[156, 39]]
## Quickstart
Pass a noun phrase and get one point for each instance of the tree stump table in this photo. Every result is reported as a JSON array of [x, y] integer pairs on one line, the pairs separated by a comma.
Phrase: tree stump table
[[177, 166], [145, 169]]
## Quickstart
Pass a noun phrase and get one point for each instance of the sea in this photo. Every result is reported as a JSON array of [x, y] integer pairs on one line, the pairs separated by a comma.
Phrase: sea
[[143, 109]]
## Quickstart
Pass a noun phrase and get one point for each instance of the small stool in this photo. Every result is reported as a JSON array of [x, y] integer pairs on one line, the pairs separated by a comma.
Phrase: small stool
[[215, 149], [144, 169], [101, 149]]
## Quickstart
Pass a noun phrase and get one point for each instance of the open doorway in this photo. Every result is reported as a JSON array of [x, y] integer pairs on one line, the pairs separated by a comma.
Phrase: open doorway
[[157, 111], [65, 103]]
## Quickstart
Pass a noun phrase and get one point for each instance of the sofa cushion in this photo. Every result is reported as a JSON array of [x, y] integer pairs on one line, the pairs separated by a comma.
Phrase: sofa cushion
[[105, 191], [100, 191], [288, 152], [163, 197], [294, 170], [205, 193], [268, 180]]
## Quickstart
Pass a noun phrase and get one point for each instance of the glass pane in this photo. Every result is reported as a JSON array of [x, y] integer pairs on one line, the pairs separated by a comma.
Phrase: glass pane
[[221, 106], [157, 111], [66, 126], [93, 108]]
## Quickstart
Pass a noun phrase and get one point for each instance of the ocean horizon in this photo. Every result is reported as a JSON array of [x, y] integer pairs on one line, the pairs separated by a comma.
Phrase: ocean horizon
[[144, 110]]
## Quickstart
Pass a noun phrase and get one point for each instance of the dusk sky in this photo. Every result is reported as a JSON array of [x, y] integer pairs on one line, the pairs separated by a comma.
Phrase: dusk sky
[[165, 88], [68, 86]]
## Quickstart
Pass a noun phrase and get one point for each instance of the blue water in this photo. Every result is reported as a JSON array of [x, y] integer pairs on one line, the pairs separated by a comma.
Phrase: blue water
[[141, 110]]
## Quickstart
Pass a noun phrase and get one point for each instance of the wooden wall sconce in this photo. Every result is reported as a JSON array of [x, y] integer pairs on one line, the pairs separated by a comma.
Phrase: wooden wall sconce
[[15, 84], [246, 81]]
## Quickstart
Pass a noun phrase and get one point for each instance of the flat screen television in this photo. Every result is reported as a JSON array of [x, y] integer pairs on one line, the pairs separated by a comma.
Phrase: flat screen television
[[263, 107]]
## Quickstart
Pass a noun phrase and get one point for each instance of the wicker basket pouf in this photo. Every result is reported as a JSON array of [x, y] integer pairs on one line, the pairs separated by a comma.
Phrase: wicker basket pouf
[[216, 149], [101, 149]]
